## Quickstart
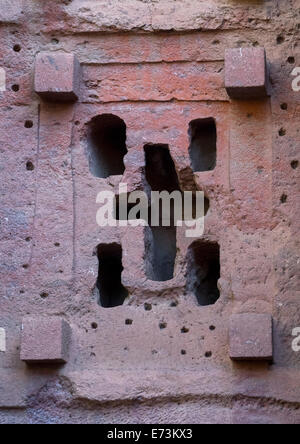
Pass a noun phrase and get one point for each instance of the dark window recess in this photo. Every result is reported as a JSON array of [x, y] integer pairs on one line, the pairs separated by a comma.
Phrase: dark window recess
[[203, 144], [160, 242], [111, 291], [203, 272], [107, 145], [160, 253], [161, 173]]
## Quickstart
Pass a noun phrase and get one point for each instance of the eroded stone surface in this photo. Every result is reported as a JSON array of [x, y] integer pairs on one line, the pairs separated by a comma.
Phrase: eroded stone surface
[[11, 12], [57, 76], [246, 73], [160, 348], [251, 337], [45, 340]]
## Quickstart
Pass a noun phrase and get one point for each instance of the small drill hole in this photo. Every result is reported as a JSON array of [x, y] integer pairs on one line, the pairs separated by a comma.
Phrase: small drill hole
[[174, 304], [17, 48], [28, 239], [212, 328], [208, 354], [294, 164], [44, 295], [128, 321], [280, 39], [15, 88], [284, 106], [291, 60], [283, 198], [57, 244], [162, 325], [25, 266], [94, 326], [29, 166], [183, 352], [147, 306], [282, 132], [184, 330], [28, 124]]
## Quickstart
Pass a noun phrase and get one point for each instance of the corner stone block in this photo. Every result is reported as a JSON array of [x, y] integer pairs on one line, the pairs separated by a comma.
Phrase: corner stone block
[[251, 337], [45, 340], [57, 76], [10, 11], [246, 73]]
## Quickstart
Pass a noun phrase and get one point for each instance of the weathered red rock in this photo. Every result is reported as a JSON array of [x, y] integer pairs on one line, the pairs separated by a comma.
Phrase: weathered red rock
[[57, 76], [246, 73], [159, 66]]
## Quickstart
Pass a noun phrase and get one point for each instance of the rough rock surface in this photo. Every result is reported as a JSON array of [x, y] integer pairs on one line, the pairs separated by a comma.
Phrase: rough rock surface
[[160, 357]]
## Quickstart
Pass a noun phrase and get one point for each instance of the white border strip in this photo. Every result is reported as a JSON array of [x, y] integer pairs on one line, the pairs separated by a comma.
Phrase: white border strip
[[2, 80], [2, 340]]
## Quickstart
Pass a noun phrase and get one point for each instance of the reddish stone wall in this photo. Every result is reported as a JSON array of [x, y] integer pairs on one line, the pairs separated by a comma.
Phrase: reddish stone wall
[[159, 357]]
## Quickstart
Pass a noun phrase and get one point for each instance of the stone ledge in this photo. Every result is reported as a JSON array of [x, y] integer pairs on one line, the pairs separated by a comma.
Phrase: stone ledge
[[255, 380]]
